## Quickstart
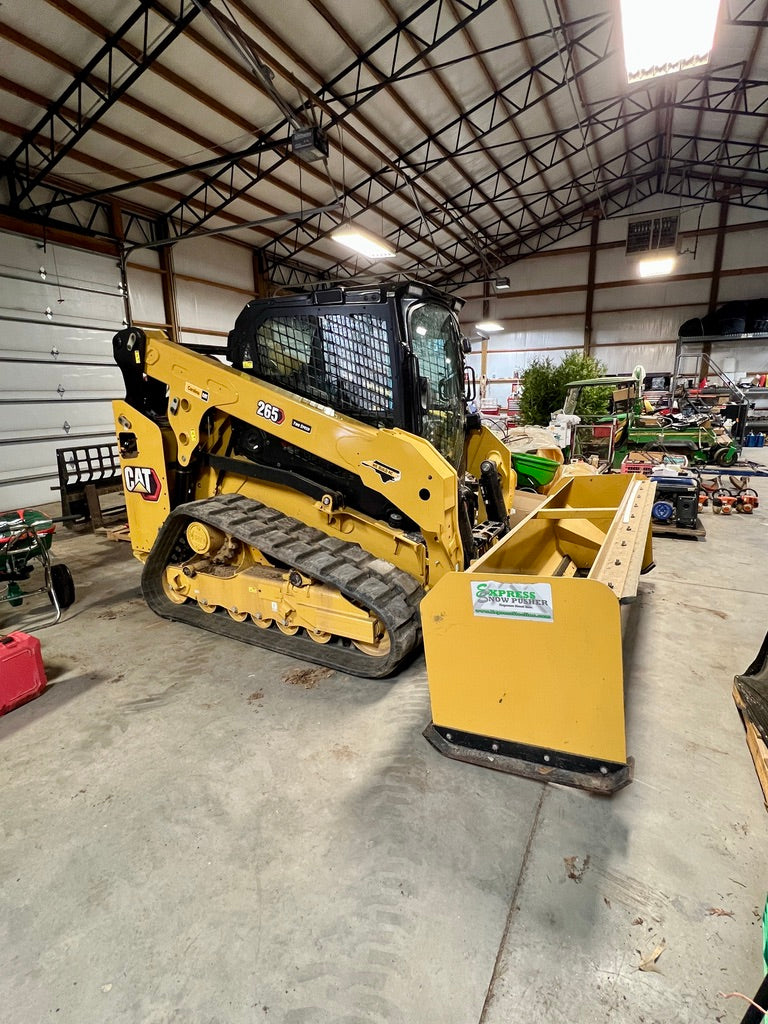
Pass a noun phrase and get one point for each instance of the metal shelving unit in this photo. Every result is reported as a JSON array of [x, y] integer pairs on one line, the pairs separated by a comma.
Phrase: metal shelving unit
[[690, 350]]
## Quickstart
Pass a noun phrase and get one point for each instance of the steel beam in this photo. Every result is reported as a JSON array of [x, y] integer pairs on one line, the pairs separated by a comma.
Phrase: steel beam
[[105, 78], [494, 112], [233, 181]]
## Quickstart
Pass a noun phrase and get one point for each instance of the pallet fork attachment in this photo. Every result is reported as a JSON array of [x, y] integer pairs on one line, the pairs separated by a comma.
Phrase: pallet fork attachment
[[524, 649]]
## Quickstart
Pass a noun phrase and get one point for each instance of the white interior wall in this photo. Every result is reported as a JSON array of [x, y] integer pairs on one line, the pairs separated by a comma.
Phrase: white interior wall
[[145, 289], [213, 280], [633, 321]]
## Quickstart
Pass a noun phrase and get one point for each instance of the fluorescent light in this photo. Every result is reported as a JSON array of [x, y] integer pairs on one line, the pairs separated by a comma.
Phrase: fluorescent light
[[656, 266], [362, 241], [662, 37], [501, 284], [490, 326]]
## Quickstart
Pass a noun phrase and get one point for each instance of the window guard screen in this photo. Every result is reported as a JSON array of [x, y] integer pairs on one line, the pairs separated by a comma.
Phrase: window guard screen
[[338, 359]]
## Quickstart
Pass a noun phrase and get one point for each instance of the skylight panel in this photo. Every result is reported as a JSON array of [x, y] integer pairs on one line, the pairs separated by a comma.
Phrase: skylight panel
[[664, 36]]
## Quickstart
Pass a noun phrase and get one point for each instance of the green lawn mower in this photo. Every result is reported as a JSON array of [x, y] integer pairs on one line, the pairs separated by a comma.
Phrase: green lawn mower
[[627, 425], [26, 536]]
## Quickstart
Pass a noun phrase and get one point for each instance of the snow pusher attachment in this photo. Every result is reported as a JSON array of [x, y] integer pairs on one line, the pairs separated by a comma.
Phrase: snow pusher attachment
[[524, 649]]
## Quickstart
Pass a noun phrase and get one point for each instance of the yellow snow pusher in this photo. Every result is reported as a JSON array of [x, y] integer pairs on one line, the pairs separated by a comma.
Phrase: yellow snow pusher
[[524, 648]]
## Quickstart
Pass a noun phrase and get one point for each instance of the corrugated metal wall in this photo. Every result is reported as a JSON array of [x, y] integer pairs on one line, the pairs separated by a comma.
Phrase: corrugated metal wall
[[633, 321], [59, 308]]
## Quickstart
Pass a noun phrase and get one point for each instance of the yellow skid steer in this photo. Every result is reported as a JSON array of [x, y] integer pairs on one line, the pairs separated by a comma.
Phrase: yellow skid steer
[[319, 486]]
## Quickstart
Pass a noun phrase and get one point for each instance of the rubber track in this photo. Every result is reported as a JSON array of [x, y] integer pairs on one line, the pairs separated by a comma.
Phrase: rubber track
[[389, 593]]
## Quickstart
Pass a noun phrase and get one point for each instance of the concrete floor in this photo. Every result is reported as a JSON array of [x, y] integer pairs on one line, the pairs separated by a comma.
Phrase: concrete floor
[[197, 831]]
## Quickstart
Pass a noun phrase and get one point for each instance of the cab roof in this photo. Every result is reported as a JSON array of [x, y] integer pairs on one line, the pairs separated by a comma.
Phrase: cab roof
[[339, 295]]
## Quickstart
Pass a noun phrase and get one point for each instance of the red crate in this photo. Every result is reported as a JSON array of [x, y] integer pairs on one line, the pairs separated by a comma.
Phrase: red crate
[[646, 468], [22, 674]]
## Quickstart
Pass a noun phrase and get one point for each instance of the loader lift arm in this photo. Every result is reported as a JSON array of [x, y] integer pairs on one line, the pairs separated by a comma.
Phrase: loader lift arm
[[209, 449]]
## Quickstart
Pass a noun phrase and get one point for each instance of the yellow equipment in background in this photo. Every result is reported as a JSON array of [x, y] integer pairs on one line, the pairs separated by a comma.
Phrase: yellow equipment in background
[[524, 649]]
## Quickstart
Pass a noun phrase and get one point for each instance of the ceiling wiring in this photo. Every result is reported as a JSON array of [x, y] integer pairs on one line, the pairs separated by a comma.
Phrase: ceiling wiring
[[238, 40], [451, 124]]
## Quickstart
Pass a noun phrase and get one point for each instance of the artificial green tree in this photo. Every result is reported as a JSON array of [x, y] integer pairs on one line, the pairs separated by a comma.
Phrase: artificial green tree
[[544, 387]]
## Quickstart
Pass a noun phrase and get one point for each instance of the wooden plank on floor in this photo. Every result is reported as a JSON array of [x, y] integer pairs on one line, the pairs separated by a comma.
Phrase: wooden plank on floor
[[121, 532], [670, 530], [757, 747]]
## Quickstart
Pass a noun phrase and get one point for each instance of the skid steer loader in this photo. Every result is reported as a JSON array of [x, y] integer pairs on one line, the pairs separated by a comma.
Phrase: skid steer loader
[[308, 493]]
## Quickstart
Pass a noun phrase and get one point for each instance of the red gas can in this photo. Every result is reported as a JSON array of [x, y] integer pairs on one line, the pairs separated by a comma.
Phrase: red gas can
[[22, 675]]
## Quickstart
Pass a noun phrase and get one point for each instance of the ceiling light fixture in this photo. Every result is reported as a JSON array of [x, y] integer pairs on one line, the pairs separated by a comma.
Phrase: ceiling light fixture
[[657, 266], [662, 37], [501, 284], [489, 326], [363, 242]]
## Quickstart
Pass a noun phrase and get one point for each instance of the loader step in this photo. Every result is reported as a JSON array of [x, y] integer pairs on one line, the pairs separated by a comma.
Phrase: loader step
[[391, 595]]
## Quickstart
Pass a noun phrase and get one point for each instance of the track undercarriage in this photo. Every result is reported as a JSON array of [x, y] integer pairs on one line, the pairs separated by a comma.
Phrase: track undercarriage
[[235, 567]]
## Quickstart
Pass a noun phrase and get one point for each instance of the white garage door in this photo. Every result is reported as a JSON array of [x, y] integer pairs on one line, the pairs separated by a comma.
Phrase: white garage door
[[59, 309]]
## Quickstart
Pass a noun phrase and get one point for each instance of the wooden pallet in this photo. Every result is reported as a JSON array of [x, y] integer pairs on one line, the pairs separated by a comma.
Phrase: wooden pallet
[[121, 532], [670, 530], [757, 747]]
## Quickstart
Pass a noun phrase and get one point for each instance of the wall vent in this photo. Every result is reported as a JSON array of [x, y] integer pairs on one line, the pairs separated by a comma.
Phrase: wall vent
[[652, 234]]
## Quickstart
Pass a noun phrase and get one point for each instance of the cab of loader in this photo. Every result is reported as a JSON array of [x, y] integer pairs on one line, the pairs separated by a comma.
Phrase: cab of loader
[[390, 356]]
